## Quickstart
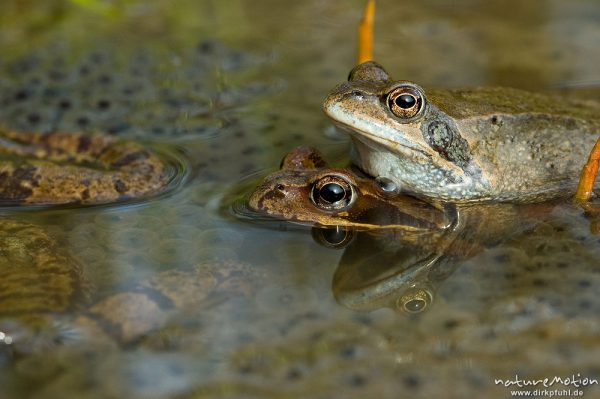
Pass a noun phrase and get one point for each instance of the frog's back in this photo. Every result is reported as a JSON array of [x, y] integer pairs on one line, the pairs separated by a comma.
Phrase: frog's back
[[64, 168], [490, 101], [530, 146]]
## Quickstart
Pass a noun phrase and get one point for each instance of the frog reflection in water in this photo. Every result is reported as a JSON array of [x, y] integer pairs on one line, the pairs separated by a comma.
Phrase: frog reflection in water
[[45, 298], [397, 248], [462, 146], [61, 168], [383, 269]]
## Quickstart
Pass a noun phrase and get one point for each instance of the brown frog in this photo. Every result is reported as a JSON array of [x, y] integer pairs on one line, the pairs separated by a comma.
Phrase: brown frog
[[306, 190], [45, 298], [63, 168]]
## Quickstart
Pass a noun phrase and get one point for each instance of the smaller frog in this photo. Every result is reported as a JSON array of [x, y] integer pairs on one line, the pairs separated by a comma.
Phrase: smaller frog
[[306, 190], [64, 168]]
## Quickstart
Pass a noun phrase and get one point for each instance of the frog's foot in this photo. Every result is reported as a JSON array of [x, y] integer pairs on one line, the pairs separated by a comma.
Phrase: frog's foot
[[365, 33], [586, 185]]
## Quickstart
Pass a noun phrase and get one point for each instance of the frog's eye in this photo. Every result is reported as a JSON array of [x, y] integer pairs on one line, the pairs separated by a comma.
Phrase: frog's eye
[[405, 101], [331, 193]]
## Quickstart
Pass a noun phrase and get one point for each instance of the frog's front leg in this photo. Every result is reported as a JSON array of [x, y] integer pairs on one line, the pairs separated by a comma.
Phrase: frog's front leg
[[586, 186]]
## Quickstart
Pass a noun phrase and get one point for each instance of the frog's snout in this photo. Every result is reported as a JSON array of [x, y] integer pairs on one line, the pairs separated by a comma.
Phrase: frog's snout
[[334, 97], [264, 194], [255, 201], [340, 98]]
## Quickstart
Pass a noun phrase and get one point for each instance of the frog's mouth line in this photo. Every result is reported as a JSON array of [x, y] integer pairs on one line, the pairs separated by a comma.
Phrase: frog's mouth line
[[374, 141]]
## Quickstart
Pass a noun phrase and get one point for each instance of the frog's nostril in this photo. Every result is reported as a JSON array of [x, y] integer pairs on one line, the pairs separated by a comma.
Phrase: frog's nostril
[[280, 187], [357, 93]]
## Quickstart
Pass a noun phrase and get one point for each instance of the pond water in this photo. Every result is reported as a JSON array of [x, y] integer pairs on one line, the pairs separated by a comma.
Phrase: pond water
[[178, 297]]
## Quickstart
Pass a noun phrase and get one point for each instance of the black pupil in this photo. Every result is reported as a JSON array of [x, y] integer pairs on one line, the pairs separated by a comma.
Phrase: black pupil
[[406, 101], [332, 192]]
